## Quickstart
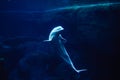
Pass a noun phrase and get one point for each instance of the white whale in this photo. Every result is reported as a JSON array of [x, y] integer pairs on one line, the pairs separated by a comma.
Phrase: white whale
[[55, 34]]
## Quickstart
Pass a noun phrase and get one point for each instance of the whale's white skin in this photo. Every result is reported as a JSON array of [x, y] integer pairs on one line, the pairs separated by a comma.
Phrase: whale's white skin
[[55, 34], [55, 31]]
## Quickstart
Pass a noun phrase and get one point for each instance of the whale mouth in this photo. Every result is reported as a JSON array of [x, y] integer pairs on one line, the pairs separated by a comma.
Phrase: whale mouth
[[62, 28]]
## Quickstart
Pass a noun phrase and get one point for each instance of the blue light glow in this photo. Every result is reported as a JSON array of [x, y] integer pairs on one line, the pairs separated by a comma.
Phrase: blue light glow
[[85, 6], [65, 8]]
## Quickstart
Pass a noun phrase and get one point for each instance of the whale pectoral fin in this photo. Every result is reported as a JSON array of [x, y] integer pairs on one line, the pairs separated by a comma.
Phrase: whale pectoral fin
[[81, 70], [63, 39]]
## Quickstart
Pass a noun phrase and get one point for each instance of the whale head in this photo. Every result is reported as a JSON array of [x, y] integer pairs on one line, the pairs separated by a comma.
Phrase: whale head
[[58, 29]]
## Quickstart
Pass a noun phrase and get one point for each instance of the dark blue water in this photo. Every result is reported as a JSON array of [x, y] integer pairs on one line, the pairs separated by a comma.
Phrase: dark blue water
[[91, 31]]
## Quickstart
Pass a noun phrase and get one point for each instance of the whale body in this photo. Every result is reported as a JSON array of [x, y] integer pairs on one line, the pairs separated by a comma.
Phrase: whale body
[[64, 54]]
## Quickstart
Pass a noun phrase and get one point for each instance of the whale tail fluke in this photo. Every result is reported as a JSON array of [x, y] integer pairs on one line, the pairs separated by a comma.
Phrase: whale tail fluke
[[81, 70]]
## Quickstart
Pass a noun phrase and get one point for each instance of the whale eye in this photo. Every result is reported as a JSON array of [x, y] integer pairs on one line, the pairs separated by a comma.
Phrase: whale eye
[[59, 29]]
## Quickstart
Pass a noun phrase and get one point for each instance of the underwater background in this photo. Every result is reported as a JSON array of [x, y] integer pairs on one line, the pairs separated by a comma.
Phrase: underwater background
[[91, 28]]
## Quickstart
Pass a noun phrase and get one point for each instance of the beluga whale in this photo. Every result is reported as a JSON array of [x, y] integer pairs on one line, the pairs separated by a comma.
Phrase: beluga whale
[[55, 35]]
